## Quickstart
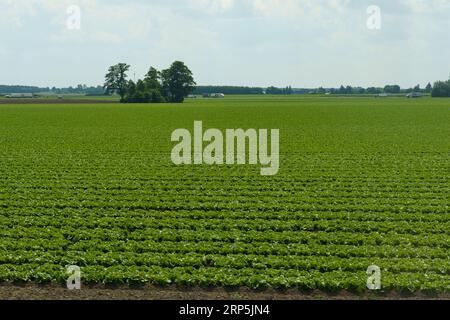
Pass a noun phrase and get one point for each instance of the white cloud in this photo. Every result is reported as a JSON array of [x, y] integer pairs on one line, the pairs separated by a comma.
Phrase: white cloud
[[212, 6], [299, 7], [107, 37], [14, 12], [423, 6]]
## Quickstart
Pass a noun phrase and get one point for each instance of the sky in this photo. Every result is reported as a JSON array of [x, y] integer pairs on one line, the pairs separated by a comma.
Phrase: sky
[[302, 43]]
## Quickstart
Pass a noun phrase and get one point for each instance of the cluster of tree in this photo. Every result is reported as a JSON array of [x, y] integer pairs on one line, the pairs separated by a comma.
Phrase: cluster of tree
[[227, 90], [169, 85], [441, 89], [417, 88], [274, 90]]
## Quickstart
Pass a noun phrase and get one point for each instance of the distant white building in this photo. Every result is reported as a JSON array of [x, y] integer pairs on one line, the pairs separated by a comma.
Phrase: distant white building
[[20, 95], [217, 95]]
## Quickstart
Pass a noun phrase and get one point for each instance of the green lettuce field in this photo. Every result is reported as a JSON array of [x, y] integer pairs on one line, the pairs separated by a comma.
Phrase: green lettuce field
[[362, 182]]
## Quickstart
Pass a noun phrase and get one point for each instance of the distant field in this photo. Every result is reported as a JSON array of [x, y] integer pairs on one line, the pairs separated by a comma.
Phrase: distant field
[[362, 182]]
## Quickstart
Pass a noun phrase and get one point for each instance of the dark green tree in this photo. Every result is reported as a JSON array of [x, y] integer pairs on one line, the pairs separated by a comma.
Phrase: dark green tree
[[139, 92], [373, 90], [131, 91], [153, 79], [348, 90], [116, 79], [288, 90], [392, 89], [428, 88], [142, 93], [177, 82], [274, 90], [441, 89]]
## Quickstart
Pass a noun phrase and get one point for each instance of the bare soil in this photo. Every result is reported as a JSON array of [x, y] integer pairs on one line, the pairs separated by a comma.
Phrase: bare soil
[[100, 292]]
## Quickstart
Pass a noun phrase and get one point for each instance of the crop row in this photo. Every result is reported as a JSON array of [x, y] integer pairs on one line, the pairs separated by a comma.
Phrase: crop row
[[61, 245], [233, 261], [212, 276], [338, 225], [137, 215], [190, 204], [75, 234], [337, 197]]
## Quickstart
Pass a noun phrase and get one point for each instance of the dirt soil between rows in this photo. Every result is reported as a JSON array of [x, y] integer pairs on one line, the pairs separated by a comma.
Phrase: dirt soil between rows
[[100, 292]]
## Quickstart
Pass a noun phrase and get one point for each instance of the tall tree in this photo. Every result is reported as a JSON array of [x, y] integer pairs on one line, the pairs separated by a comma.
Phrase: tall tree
[[392, 88], [349, 90], [131, 92], [274, 90], [441, 89], [373, 90], [153, 79], [288, 90], [116, 79], [177, 82], [428, 88]]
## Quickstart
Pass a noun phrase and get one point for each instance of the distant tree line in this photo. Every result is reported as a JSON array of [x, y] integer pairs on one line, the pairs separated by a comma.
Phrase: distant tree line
[[175, 83], [388, 89], [80, 89], [343, 90], [349, 90], [169, 85], [21, 89], [227, 90], [441, 89], [274, 90], [244, 90]]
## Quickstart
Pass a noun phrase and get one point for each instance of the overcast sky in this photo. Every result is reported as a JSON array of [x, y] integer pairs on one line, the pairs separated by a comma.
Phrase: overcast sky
[[302, 43]]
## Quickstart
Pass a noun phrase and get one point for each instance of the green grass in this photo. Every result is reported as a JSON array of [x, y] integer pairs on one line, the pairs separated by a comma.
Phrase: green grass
[[362, 181]]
